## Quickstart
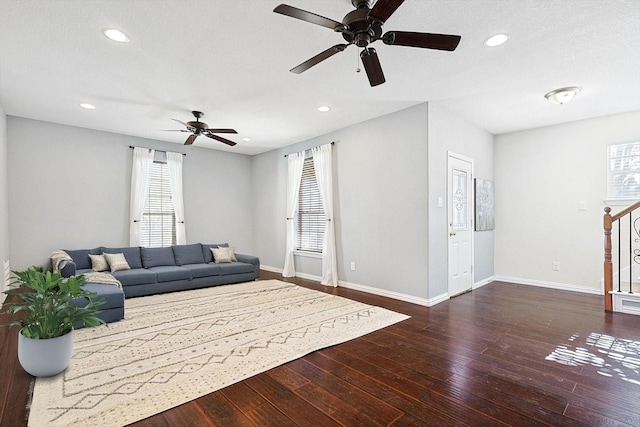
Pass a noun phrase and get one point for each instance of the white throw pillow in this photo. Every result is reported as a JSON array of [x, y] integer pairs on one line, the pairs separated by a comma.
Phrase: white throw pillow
[[99, 263], [222, 254], [117, 262]]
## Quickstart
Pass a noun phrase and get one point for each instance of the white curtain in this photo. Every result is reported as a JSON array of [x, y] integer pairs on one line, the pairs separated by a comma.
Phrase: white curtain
[[322, 165], [174, 162], [295, 162], [140, 176]]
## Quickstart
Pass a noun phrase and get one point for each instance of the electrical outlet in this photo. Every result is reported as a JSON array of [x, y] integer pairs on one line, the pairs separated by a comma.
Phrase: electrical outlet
[[353, 266], [555, 266]]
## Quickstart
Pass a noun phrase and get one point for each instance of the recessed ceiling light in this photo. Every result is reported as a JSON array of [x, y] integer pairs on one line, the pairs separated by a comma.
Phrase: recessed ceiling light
[[245, 139], [116, 35], [324, 108], [496, 40], [88, 106], [562, 95]]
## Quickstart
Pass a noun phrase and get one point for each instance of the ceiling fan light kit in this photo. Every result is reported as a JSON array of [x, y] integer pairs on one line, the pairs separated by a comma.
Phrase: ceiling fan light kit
[[563, 95], [363, 26]]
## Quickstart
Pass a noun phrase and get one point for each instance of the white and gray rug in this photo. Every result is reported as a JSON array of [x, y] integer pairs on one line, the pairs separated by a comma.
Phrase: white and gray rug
[[176, 347]]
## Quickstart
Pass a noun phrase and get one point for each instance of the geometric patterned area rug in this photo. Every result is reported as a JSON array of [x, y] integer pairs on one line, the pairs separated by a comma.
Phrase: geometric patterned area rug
[[176, 347]]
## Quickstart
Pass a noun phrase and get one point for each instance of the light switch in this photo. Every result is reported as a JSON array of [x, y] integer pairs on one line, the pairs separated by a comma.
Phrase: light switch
[[582, 206], [440, 202]]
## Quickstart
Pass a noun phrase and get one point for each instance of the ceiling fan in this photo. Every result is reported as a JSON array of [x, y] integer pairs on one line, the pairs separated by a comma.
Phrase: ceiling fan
[[362, 27], [197, 128]]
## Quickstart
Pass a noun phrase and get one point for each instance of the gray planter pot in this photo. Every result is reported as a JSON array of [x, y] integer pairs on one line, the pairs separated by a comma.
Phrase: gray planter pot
[[47, 357]]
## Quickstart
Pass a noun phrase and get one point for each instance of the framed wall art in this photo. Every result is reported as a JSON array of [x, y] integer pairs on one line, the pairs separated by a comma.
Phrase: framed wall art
[[484, 205]]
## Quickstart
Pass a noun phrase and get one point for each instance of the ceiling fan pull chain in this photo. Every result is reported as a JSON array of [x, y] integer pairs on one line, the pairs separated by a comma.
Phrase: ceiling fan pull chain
[[358, 65]]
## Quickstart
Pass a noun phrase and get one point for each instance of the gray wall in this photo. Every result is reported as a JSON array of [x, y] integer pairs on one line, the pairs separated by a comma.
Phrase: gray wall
[[388, 173], [70, 189], [380, 191], [449, 132], [542, 176], [4, 199]]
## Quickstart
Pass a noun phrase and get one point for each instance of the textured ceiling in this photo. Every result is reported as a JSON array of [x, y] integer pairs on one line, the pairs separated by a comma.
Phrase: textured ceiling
[[230, 59]]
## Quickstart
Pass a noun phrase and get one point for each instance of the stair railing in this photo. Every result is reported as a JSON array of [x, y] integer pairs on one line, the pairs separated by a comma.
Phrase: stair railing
[[609, 221]]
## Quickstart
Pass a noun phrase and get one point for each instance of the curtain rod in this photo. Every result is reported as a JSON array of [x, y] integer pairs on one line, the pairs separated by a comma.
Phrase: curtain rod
[[164, 151], [308, 149]]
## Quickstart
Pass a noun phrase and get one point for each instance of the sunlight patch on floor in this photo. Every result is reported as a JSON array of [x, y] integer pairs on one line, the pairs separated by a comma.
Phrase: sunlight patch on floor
[[611, 355]]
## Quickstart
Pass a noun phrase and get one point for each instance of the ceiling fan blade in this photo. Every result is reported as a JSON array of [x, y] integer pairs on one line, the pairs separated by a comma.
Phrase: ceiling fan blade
[[372, 66], [173, 130], [313, 18], [318, 58], [425, 40], [181, 122], [383, 9], [221, 139], [191, 138], [221, 130]]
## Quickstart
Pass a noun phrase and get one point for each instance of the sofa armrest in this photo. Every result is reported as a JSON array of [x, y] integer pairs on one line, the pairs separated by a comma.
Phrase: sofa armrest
[[250, 259], [69, 269]]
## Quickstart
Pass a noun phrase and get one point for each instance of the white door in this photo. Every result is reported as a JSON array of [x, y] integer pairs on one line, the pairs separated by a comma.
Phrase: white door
[[460, 215]]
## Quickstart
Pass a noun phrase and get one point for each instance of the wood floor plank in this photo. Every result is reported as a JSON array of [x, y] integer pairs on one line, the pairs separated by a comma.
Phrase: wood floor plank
[[479, 359], [292, 406], [221, 412]]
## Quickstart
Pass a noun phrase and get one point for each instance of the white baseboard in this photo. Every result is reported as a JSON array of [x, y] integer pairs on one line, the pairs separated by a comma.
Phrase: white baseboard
[[371, 290], [395, 295], [551, 285], [483, 282]]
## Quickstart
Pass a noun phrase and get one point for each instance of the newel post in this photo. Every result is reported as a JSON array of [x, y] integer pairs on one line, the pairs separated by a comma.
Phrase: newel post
[[608, 265]]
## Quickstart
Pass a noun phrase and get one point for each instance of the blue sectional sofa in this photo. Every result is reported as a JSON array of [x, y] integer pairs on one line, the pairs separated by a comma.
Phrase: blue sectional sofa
[[160, 270]]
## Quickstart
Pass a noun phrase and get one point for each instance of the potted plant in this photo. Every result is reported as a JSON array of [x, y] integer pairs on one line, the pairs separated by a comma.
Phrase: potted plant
[[47, 313]]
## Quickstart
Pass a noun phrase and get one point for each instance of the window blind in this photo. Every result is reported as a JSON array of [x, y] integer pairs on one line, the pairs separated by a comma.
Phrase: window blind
[[311, 220], [158, 227], [623, 170]]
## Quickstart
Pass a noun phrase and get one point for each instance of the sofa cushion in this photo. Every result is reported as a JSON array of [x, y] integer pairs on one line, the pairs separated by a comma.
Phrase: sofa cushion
[[235, 268], [154, 257], [131, 254], [137, 276], [188, 254], [202, 270], [81, 257], [206, 250], [168, 273]]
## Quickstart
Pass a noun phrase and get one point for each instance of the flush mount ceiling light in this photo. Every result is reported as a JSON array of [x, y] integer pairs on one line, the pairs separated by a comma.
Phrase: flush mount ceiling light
[[245, 139], [496, 40], [88, 106], [562, 95], [324, 108], [116, 35]]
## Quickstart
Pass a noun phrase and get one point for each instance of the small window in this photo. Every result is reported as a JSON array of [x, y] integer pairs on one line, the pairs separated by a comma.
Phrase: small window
[[158, 227], [311, 220], [623, 171]]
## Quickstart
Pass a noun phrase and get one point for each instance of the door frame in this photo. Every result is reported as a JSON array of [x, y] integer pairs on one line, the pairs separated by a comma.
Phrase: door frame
[[471, 198]]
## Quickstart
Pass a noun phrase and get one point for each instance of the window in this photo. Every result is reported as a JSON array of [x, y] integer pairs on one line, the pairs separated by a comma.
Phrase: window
[[311, 220], [158, 226], [623, 171]]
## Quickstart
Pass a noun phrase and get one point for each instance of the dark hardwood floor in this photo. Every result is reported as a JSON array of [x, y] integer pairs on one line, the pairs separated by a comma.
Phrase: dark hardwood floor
[[503, 354]]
